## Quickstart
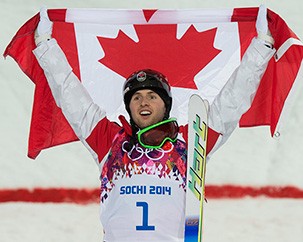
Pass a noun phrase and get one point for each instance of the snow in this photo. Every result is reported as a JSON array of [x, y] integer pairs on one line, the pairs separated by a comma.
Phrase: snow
[[251, 157], [248, 220]]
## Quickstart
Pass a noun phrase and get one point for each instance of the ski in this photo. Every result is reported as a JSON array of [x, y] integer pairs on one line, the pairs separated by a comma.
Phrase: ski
[[196, 167]]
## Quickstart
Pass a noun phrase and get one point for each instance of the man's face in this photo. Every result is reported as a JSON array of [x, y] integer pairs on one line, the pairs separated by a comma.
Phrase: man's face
[[146, 108]]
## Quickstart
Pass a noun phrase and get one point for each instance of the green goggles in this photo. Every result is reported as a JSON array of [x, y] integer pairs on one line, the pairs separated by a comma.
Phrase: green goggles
[[154, 136]]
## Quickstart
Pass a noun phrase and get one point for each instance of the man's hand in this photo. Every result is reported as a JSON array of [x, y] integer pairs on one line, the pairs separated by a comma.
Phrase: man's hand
[[44, 29], [262, 26]]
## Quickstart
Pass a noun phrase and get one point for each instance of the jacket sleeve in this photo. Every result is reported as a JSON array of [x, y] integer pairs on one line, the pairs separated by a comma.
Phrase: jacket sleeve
[[238, 93], [70, 95]]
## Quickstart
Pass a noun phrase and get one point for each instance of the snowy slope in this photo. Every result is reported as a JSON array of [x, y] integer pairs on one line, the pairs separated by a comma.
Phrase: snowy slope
[[251, 157]]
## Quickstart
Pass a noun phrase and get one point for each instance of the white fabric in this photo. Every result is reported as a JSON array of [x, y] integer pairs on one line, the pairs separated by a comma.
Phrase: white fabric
[[237, 95], [261, 23], [135, 16], [70, 95], [45, 27], [164, 200]]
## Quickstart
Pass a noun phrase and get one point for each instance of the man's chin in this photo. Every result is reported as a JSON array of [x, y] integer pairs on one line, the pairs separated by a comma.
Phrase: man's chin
[[145, 123]]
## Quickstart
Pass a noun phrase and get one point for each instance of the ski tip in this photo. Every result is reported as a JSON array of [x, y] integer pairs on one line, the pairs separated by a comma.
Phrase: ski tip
[[199, 99]]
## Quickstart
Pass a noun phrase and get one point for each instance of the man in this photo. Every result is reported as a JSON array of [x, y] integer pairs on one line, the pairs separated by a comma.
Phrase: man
[[147, 97], [143, 164]]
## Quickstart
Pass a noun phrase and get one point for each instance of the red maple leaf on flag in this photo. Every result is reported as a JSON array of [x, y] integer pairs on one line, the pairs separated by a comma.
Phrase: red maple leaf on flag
[[158, 48]]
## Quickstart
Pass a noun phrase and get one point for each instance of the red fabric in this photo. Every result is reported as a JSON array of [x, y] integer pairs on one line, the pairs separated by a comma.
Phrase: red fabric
[[102, 130], [48, 125], [279, 76], [148, 13], [169, 55]]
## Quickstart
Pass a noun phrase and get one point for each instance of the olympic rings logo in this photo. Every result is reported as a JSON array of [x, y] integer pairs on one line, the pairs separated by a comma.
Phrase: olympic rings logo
[[137, 152]]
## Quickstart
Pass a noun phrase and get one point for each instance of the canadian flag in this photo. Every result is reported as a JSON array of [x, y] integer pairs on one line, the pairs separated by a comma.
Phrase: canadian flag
[[196, 49]]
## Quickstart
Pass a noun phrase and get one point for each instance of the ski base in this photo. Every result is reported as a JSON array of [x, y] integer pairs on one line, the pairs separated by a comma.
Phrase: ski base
[[191, 229]]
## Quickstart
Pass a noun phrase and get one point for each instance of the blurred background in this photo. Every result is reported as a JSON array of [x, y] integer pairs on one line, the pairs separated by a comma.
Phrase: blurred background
[[251, 158]]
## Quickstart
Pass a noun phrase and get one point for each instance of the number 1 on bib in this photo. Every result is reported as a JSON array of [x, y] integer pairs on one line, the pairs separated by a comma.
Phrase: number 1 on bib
[[196, 167]]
